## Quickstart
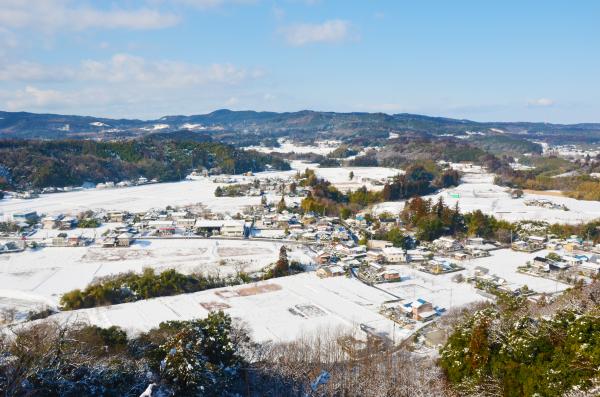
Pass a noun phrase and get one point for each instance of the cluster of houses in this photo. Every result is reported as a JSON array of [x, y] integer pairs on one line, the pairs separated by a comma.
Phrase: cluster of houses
[[376, 263], [487, 284], [260, 186], [572, 255], [59, 221], [531, 243], [126, 183], [35, 193], [472, 247], [564, 266]]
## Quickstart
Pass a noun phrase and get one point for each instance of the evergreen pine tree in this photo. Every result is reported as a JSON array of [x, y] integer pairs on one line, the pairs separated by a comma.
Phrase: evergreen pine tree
[[282, 205]]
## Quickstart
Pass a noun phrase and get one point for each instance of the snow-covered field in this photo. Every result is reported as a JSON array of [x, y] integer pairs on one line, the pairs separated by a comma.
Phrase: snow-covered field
[[286, 308], [340, 176], [136, 198], [320, 147], [41, 276], [188, 192], [143, 197], [478, 192], [281, 309]]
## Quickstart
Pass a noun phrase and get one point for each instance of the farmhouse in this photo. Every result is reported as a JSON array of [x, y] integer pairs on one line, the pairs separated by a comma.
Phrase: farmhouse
[[394, 255], [378, 244], [163, 227], [330, 271], [447, 244], [124, 239], [51, 222], [228, 228], [420, 310]]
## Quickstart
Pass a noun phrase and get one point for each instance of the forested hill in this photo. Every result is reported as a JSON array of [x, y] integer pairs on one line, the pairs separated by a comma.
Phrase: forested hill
[[250, 127], [37, 163]]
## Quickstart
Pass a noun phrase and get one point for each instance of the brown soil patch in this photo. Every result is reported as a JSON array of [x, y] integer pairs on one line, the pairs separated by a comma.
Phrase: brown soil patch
[[214, 306], [544, 192], [258, 289], [227, 252], [115, 254], [248, 291]]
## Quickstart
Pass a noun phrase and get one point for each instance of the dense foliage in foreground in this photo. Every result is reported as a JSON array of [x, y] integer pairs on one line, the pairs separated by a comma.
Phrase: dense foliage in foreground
[[198, 357], [521, 349], [67, 163], [205, 357]]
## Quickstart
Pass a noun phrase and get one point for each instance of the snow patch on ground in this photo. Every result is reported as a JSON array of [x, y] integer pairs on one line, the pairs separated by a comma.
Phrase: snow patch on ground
[[320, 147]]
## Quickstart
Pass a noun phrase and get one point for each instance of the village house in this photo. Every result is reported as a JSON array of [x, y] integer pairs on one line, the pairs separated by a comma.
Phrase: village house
[[330, 271], [67, 223], [391, 275], [185, 223], [60, 240], [418, 255], [227, 228], [446, 244], [394, 255], [541, 263], [115, 216], [323, 257], [419, 310], [459, 255], [439, 266], [109, 241], [378, 244], [233, 228], [51, 222], [375, 255], [124, 240], [163, 227]]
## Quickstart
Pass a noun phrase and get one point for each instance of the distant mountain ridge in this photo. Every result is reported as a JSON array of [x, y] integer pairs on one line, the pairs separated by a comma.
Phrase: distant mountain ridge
[[233, 126]]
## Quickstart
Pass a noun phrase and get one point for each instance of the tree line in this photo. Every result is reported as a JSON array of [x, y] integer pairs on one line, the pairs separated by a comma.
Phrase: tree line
[[38, 164], [326, 199]]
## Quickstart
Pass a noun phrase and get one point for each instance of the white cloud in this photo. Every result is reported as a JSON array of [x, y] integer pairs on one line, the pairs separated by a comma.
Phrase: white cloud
[[39, 98], [332, 31], [54, 15], [125, 68], [203, 4], [123, 85], [541, 102], [31, 71], [129, 69], [232, 101]]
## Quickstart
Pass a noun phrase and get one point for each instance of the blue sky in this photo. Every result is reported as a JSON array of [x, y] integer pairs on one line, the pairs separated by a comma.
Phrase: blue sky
[[482, 60]]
